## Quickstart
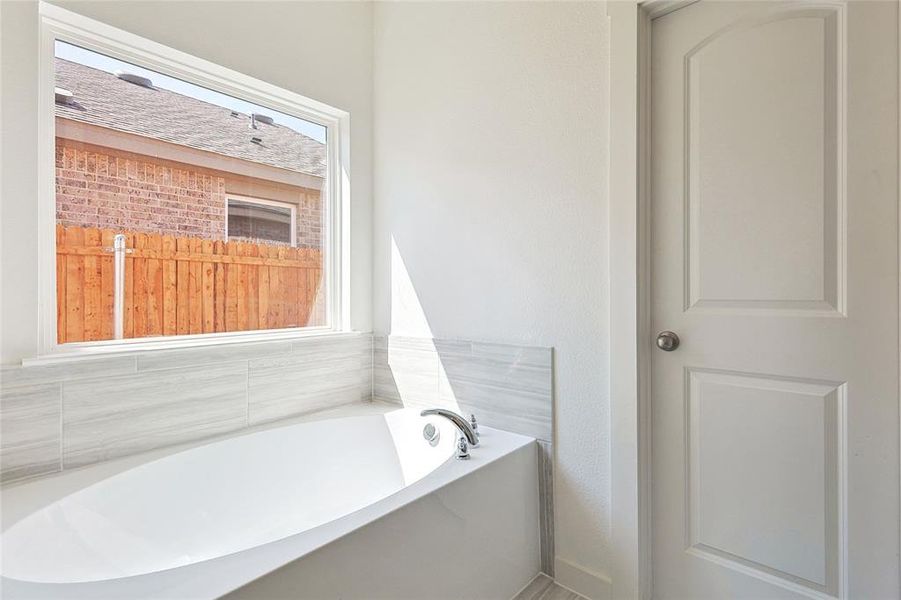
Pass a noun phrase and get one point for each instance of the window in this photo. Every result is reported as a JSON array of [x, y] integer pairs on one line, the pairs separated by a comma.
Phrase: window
[[188, 200], [263, 221]]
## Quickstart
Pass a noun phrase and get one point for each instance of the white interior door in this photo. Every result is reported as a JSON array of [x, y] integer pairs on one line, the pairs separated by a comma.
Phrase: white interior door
[[774, 210]]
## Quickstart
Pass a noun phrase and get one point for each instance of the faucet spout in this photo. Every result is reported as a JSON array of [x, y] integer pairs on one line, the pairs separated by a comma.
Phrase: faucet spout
[[462, 424]]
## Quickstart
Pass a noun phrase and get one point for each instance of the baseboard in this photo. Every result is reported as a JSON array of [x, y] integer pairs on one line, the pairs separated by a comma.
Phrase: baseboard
[[593, 586]]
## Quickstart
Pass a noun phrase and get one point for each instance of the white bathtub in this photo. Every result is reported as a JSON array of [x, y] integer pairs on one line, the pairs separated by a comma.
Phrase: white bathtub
[[359, 506]]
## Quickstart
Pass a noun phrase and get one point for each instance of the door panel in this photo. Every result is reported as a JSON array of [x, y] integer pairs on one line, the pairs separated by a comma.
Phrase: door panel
[[774, 233], [762, 455], [762, 122]]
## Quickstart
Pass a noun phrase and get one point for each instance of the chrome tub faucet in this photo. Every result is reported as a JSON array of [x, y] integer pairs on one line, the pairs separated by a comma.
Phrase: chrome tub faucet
[[469, 436]]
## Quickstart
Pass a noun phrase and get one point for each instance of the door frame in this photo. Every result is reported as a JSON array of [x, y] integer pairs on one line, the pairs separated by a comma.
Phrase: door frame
[[629, 264]]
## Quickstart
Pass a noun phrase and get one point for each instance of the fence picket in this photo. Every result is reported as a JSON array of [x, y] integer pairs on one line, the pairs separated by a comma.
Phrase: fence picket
[[219, 289], [141, 289], [291, 307], [263, 291], [106, 285], [75, 288], [207, 284], [231, 290], [155, 288], [196, 293], [170, 288], [182, 285], [242, 290], [92, 287], [61, 286], [253, 289]]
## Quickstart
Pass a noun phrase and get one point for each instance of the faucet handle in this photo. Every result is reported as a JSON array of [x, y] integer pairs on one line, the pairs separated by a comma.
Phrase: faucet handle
[[475, 426], [462, 449]]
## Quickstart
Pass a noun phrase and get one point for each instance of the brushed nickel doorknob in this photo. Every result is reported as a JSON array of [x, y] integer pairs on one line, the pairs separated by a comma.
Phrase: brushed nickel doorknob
[[667, 341]]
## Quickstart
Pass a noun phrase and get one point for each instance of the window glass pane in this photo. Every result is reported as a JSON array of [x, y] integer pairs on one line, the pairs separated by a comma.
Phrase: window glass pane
[[200, 185], [259, 222]]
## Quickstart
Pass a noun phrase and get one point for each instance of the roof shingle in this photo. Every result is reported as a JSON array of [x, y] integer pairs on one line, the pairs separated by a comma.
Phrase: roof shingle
[[101, 98]]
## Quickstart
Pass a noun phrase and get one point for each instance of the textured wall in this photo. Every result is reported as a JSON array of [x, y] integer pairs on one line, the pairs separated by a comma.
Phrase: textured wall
[[490, 217]]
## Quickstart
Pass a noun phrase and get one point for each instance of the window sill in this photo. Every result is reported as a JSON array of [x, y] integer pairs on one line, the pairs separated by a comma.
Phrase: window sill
[[70, 353]]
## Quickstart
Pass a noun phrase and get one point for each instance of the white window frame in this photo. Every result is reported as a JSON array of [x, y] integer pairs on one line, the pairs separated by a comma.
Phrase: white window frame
[[264, 202], [60, 24]]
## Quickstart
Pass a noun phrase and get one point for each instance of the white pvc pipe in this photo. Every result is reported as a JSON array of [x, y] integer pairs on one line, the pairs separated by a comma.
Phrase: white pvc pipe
[[119, 286]]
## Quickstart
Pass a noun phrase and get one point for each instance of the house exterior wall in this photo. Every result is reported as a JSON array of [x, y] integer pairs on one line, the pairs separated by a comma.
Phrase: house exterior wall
[[104, 187]]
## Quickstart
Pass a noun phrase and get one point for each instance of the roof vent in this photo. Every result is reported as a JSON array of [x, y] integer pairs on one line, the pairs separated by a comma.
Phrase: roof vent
[[135, 79], [256, 140], [263, 119], [64, 96]]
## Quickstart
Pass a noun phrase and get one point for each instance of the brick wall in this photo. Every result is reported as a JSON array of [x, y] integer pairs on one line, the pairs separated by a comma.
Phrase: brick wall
[[309, 220], [103, 187]]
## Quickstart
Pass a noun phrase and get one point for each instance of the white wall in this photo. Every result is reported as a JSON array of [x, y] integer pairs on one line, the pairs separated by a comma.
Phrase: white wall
[[319, 49], [490, 183]]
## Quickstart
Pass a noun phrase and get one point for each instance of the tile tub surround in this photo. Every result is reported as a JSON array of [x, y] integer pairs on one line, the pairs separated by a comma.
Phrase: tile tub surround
[[71, 414], [506, 386]]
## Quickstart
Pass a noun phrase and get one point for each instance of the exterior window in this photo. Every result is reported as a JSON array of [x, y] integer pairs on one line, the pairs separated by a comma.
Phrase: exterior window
[[183, 211], [260, 221]]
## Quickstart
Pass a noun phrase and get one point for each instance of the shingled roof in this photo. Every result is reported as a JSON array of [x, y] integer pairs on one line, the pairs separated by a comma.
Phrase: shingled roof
[[101, 98]]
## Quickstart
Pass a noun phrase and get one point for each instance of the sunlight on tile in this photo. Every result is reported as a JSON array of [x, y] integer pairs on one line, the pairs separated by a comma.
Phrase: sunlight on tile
[[419, 378]]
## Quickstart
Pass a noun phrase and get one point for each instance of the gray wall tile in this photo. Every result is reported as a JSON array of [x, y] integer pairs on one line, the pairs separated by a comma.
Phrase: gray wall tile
[[195, 357], [299, 383], [119, 405], [408, 385], [535, 356], [340, 344], [29, 430], [405, 370], [508, 387], [513, 410], [366, 370], [69, 371], [117, 416], [493, 372]]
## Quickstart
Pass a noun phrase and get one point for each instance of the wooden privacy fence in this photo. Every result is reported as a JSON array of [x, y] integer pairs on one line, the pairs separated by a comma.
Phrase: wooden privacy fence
[[182, 285]]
